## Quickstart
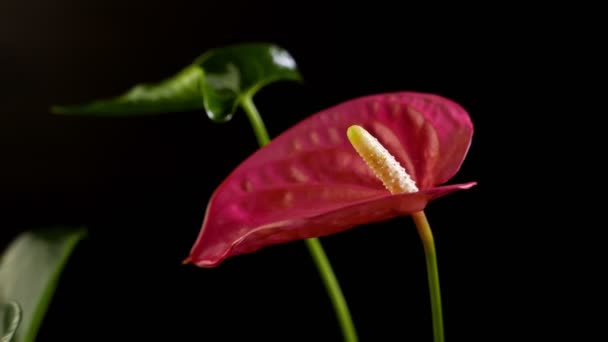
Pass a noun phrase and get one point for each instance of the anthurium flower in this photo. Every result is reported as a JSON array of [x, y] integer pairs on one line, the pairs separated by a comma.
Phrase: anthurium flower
[[310, 181]]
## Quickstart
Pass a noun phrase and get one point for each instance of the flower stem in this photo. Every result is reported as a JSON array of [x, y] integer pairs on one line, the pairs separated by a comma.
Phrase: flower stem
[[314, 245], [424, 230]]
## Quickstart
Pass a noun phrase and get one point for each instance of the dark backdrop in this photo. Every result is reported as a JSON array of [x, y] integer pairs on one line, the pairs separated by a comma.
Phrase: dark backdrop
[[141, 184]]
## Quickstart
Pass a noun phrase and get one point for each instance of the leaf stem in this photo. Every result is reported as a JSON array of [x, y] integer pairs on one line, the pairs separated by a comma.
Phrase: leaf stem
[[426, 235], [259, 129], [314, 245]]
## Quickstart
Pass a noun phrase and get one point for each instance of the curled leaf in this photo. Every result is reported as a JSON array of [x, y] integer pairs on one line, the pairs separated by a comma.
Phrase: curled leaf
[[10, 317], [310, 181], [216, 82]]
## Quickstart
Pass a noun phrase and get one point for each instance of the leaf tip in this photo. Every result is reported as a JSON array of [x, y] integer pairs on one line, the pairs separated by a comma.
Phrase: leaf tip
[[69, 110], [82, 232], [59, 110]]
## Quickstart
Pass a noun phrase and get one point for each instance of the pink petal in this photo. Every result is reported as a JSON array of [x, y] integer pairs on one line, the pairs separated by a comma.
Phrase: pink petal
[[309, 181], [222, 241]]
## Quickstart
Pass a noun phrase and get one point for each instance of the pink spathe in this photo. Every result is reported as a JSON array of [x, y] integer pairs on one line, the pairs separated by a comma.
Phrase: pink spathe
[[310, 181]]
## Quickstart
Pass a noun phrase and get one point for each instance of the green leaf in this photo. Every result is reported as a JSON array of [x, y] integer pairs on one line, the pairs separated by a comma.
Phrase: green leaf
[[216, 82], [29, 273], [10, 317], [178, 93]]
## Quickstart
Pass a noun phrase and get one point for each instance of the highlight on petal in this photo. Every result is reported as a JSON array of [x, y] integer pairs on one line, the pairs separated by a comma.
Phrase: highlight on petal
[[310, 181]]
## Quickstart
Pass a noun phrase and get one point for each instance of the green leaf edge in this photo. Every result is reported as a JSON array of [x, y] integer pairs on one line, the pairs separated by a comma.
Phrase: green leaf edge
[[14, 323], [195, 64], [42, 307], [248, 94], [79, 109]]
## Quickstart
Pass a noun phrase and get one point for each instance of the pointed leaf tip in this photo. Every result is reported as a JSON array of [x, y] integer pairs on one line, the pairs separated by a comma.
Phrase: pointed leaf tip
[[214, 83], [57, 110]]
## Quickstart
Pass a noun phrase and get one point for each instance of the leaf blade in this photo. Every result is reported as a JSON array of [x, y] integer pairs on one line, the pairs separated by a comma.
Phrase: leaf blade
[[29, 273], [215, 82], [174, 94], [239, 71]]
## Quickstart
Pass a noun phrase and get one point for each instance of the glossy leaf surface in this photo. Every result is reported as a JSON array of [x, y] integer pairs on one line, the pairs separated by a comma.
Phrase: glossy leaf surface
[[29, 273], [215, 82], [310, 181]]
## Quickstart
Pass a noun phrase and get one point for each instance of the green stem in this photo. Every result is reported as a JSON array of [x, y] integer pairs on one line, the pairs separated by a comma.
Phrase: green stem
[[333, 288], [424, 230], [314, 245], [259, 129]]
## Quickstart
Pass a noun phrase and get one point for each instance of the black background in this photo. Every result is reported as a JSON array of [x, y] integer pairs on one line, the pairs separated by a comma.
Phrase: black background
[[141, 184]]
